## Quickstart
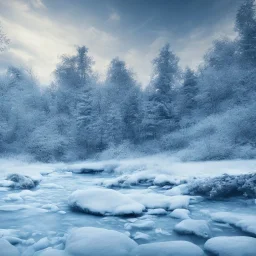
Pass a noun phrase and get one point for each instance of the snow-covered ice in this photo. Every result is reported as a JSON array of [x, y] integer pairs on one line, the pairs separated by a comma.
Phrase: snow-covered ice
[[231, 246], [196, 227], [88, 241], [155, 189], [104, 202], [245, 222], [174, 248], [6, 249], [180, 214]]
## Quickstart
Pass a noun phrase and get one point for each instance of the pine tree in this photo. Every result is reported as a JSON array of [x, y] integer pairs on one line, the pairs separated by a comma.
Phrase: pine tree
[[246, 27]]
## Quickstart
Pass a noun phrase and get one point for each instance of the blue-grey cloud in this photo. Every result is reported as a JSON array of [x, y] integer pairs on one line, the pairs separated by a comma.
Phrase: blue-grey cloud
[[42, 30]]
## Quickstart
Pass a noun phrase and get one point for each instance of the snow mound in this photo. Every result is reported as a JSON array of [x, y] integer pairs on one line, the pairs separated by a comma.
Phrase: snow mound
[[162, 180], [50, 252], [88, 241], [245, 222], [153, 201], [196, 227], [173, 248], [7, 248], [180, 214], [158, 211], [141, 236], [140, 224], [231, 246], [101, 201]]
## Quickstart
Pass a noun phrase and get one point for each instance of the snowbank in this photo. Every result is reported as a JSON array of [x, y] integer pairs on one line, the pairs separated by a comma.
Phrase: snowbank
[[104, 202], [153, 200], [88, 241], [195, 227], [7, 248], [173, 248], [231, 246], [245, 222]]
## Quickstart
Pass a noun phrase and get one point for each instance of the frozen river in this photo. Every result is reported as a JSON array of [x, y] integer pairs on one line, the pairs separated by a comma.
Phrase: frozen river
[[44, 214]]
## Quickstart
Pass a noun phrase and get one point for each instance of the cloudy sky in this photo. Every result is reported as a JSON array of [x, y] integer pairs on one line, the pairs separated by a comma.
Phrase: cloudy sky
[[42, 30]]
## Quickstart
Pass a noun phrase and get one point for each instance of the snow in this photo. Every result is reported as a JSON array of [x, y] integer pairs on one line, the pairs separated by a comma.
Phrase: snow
[[181, 189], [158, 211], [7, 248], [180, 214], [140, 224], [88, 241], [104, 202], [14, 207], [153, 200], [141, 236], [173, 248], [245, 222], [50, 252], [195, 227], [231, 246]]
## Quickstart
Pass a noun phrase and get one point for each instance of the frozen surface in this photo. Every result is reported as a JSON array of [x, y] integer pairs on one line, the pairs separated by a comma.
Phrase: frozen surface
[[245, 222], [104, 202], [231, 246], [37, 220], [97, 242], [176, 248], [196, 227]]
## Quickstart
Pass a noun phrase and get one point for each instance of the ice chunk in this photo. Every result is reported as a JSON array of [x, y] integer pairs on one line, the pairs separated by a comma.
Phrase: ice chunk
[[104, 202], [153, 200], [158, 211], [140, 224], [51, 207], [50, 252], [245, 222], [177, 190], [195, 227], [88, 241], [7, 248], [231, 246], [14, 207], [51, 185], [173, 248], [141, 236], [180, 214]]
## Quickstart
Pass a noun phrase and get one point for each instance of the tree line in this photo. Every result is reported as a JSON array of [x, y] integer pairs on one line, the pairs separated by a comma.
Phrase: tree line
[[205, 114]]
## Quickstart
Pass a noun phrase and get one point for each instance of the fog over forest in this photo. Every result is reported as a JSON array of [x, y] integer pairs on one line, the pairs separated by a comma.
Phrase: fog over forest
[[205, 113]]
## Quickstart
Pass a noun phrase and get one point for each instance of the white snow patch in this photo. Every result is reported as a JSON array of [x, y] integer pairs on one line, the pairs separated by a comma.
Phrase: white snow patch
[[104, 202], [153, 200], [140, 224], [158, 211], [231, 246], [7, 248], [173, 248], [196, 227], [180, 214], [245, 222], [178, 190], [88, 241]]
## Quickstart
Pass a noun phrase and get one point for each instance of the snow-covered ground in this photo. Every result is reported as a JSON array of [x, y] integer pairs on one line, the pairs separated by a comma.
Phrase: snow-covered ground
[[140, 206]]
